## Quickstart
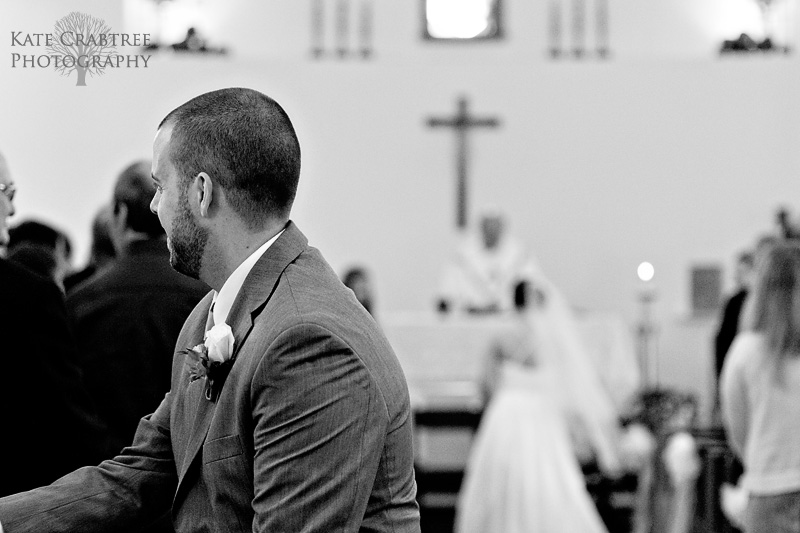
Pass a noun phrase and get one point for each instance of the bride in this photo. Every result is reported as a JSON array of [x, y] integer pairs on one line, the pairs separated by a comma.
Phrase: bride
[[523, 474]]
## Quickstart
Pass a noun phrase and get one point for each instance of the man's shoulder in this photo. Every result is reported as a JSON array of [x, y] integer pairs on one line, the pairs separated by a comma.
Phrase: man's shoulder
[[18, 282], [138, 275], [308, 292], [27, 301], [313, 281]]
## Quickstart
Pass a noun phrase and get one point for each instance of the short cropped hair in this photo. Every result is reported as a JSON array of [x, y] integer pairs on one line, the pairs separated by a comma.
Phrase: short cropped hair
[[245, 140], [135, 189]]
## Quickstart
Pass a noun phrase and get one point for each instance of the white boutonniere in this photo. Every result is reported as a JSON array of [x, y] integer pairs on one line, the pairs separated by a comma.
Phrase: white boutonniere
[[212, 360], [219, 343]]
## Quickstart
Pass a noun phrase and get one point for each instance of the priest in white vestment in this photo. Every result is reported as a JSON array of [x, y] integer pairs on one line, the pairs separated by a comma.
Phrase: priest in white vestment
[[487, 265]]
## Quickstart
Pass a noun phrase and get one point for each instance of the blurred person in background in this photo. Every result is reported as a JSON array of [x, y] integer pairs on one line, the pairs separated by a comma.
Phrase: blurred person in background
[[547, 412], [101, 253], [480, 277], [729, 322], [358, 280], [760, 394], [50, 425], [41, 248]]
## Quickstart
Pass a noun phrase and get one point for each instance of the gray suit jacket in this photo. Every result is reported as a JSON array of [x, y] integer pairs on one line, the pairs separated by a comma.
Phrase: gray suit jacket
[[311, 431]]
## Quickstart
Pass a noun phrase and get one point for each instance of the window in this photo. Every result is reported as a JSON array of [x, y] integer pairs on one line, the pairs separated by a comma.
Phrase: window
[[461, 20]]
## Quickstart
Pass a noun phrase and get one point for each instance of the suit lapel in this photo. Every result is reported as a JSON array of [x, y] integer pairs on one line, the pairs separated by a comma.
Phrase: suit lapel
[[253, 296], [195, 398]]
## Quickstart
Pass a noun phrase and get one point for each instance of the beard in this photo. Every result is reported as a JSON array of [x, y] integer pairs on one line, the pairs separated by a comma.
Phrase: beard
[[188, 242]]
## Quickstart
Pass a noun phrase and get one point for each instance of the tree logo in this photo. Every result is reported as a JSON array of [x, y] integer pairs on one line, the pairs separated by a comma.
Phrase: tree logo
[[80, 43], [85, 39]]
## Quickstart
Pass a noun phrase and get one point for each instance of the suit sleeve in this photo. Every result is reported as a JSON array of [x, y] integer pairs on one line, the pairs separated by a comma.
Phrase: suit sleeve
[[122, 494], [319, 429]]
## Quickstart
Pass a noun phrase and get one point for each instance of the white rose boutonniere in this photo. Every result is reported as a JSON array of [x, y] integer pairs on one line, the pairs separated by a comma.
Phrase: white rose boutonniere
[[212, 360], [219, 343]]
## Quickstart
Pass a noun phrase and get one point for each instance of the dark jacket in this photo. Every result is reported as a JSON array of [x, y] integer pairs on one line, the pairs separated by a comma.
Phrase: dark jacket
[[50, 426], [728, 328], [126, 321]]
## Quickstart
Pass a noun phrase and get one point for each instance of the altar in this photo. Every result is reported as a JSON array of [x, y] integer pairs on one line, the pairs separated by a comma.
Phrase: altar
[[443, 357]]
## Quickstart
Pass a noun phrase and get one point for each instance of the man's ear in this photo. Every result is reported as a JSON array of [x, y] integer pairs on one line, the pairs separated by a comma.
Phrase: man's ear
[[204, 189]]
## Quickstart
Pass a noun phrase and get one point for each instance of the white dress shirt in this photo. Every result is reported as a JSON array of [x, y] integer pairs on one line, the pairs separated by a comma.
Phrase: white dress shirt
[[223, 300]]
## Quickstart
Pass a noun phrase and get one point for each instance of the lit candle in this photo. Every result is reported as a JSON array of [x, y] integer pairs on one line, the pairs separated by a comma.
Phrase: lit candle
[[646, 272]]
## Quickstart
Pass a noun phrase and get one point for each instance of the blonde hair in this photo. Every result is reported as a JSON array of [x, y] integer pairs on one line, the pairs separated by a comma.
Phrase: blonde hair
[[773, 306]]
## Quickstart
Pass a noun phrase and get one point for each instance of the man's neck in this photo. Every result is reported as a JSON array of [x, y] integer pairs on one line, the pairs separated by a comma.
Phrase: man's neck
[[225, 253]]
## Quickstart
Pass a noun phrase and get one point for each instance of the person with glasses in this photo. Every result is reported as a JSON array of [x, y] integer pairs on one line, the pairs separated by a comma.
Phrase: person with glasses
[[7, 192], [50, 427]]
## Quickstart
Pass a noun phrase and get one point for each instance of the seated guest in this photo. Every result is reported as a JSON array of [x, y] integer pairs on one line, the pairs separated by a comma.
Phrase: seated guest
[[50, 425], [102, 251]]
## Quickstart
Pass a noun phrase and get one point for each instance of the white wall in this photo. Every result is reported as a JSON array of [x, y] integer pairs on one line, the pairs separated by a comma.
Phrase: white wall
[[666, 153]]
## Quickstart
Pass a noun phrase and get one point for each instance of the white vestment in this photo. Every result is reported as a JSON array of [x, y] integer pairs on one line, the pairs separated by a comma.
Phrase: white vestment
[[483, 279]]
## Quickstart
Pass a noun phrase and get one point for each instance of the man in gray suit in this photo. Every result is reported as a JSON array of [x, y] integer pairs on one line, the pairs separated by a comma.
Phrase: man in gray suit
[[288, 410]]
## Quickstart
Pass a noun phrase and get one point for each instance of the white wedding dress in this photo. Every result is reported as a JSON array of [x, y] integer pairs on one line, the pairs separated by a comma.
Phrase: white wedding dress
[[523, 475]]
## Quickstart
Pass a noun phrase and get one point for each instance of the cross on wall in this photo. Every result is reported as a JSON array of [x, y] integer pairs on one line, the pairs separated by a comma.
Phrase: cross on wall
[[461, 123]]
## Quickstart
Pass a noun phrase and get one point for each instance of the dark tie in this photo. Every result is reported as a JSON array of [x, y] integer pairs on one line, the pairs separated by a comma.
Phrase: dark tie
[[210, 319]]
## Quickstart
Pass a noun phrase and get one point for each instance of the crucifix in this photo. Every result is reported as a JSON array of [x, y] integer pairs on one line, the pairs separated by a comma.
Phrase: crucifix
[[461, 123]]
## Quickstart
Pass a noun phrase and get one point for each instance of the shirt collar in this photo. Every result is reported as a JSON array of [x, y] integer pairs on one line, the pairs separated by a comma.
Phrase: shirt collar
[[223, 300]]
